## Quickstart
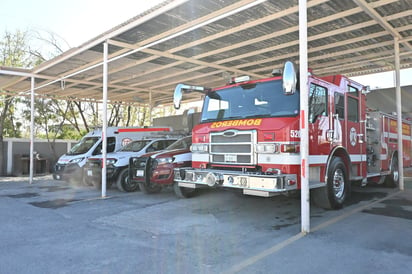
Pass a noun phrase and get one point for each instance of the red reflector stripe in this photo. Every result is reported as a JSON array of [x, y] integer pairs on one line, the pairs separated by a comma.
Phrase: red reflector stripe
[[143, 129], [303, 168], [302, 119]]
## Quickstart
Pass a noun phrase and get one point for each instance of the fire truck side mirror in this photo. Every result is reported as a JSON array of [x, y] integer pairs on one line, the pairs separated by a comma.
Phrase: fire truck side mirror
[[178, 94], [289, 78]]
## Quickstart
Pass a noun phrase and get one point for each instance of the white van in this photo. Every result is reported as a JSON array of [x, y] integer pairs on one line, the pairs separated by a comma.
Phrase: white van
[[70, 165]]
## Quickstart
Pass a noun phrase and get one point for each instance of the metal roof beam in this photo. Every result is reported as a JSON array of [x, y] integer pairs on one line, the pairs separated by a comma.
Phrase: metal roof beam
[[381, 21], [237, 7], [256, 22], [289, 11], [295, 42]]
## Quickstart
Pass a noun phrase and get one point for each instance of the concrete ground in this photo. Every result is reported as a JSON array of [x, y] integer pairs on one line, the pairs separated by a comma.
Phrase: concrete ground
[[53, 227]]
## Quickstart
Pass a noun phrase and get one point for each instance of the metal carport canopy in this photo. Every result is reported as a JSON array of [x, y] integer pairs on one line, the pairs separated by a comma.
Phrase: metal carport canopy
[[203, 42]]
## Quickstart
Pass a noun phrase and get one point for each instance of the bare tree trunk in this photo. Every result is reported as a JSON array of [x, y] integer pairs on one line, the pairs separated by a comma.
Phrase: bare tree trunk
[[128, 116], [79, 107], [52, 144]]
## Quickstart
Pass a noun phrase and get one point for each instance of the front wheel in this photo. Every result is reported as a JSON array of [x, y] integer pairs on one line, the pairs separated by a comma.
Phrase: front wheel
[[87, 181], [392, 180], [183, 192], [123, 182], [337, 188], [150, 188]]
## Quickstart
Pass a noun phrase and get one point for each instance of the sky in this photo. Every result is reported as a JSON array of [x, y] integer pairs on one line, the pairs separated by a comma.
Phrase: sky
[[78, 21]]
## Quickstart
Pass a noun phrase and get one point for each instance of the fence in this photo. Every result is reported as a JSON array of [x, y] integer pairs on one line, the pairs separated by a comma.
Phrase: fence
[[17, 155]]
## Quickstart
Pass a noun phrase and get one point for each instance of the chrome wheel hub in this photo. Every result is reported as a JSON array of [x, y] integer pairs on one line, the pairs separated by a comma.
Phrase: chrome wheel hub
[[338, 183]]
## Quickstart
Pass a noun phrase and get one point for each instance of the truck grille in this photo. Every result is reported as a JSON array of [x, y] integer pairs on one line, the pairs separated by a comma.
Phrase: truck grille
[[233, 147]]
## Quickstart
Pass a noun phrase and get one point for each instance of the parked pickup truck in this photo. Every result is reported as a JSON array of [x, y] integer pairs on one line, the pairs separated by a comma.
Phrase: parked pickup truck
[[154, 170]]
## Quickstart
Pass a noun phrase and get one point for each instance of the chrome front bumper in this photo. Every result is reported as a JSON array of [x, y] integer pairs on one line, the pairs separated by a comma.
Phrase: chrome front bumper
[[252, 184]]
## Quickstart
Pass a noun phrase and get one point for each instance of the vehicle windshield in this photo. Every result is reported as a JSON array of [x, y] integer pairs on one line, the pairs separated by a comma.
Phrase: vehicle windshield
[[262, 99], [135, 146], [83, 146], [183, 143]]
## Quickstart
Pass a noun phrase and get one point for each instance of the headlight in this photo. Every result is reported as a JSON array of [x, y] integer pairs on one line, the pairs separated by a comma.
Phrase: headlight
[[110, 161], [76, 160], [266, 148], [166, 160], [199, 148]]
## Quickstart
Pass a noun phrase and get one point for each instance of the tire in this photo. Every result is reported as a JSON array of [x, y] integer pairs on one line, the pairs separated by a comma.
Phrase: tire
[[337, 188], [184, 192], [150, 188], [124, 184], [392, 180], [74, 181], [87, 181]]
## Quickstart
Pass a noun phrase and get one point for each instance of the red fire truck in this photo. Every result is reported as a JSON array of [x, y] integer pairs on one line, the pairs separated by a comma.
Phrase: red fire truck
[[248, 139]]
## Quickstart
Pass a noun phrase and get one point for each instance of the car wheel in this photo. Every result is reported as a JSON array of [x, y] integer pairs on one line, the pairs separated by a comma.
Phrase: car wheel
[[184, 192], [392, 180], [124, 184], [87, 181], [150, 188], [337, 188]]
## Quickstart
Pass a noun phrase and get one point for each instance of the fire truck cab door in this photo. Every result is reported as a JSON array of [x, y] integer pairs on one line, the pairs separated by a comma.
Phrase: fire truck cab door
[[349, 115], [319, 119]]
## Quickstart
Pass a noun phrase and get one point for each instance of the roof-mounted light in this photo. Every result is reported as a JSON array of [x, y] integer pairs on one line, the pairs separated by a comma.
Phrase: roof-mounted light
[[240, 79], [277, 72], [366, 89]]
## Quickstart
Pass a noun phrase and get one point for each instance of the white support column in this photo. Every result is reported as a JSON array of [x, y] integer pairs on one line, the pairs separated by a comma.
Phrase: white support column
[[304, 131], [9, 169], [399, 112], [31, 132], [150, 107], [104, 122]]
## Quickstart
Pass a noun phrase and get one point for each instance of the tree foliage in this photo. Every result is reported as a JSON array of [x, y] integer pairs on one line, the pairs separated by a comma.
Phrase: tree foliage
[[54, 119], [14, 52]]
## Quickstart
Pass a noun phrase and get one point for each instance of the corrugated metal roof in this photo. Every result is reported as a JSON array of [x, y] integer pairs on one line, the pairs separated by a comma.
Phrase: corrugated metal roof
[[204, 42]]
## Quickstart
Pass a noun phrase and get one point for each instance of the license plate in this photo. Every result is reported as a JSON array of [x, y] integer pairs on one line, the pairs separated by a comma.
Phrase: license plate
[[139, 173], [230, 158], [89, 172]]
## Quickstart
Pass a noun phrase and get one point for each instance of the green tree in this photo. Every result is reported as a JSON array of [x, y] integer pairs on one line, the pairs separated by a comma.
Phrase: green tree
[[14, 52], [17, 51]]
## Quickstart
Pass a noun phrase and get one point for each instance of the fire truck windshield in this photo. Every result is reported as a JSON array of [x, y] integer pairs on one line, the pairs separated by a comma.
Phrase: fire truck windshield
[[262, 99]]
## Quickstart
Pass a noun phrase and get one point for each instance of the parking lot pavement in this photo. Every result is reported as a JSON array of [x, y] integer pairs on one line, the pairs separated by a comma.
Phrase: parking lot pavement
[[53, 227]]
